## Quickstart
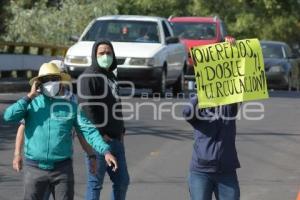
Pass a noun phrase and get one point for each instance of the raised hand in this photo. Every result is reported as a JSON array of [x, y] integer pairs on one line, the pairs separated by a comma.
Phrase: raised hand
[[33, 91], [230, 39]]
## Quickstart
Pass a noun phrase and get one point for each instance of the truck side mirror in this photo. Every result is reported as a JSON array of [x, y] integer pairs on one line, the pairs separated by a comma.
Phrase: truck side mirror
[[172, 40], [74, 38]]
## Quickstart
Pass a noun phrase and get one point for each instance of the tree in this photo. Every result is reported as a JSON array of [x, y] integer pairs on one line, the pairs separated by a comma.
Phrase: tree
[[163, 8], [263, 19], [54, 25], [53, 21], [3, 14]]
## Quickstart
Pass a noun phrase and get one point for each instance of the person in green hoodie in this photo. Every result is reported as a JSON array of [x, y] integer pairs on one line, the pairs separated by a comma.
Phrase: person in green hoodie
[[49, 119]]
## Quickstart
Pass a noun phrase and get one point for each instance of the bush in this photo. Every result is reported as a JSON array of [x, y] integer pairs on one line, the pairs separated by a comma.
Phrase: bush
[[54, 25]]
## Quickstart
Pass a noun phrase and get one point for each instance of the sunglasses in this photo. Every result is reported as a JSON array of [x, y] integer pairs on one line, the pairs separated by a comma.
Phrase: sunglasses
[[49, 78]]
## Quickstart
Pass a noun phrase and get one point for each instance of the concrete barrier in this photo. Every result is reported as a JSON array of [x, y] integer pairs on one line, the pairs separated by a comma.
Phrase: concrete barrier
[[19, 62]]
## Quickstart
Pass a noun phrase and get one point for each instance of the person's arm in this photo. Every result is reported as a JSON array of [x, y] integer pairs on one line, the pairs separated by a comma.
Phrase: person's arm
[[120, 112], [89, 151], [85, 146], [189, 111], [90, 87], [93, 108], [84, 126], [17, 111], [122, 137], [18, 160]]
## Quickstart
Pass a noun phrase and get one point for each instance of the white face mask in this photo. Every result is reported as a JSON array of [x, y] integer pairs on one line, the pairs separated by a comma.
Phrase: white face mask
[[50, 88]]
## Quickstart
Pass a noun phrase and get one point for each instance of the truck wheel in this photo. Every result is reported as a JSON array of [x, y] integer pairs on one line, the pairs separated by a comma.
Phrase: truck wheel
[[162, 85], [179, 84]]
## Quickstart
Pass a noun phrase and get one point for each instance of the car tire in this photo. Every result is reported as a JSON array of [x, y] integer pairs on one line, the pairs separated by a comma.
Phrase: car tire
[[179, 84], [162, 84]]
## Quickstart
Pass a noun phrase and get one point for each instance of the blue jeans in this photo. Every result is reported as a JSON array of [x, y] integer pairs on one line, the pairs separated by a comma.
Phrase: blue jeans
[[225, 186], [120, 178]]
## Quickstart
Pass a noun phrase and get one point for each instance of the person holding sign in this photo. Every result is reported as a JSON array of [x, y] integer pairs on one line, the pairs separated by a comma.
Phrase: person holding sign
[[214, 158]]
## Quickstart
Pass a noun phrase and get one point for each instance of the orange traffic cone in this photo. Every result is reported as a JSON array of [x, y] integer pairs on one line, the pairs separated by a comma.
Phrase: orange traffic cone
[[298, 197]]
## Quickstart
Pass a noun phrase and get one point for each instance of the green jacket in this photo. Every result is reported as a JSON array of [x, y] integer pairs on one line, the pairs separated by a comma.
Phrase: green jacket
[[48, 128]]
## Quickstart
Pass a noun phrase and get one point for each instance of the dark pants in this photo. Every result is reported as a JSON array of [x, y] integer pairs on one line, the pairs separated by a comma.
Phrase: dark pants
[[59, 181], [120, 178]]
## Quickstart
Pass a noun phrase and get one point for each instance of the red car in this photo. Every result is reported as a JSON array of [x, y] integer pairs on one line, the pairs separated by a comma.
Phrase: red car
[[195, 31]]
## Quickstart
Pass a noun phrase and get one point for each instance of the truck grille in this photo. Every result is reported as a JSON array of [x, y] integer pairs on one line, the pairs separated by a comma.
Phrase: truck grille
[[120, 61]]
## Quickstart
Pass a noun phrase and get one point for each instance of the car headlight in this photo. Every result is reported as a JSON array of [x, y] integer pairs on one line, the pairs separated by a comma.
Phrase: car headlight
[[77, 59], [276, 68], [142, 61]]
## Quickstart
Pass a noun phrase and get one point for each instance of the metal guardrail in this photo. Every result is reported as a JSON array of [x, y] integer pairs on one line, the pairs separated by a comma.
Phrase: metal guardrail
[[22, 60], [32, 48]]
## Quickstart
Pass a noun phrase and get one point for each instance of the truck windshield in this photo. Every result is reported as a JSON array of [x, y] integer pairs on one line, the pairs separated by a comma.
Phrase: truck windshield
[[123, 31], [194, 30]]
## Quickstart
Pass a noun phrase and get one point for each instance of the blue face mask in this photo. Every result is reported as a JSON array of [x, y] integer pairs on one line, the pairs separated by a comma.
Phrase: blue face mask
[[104, 61]]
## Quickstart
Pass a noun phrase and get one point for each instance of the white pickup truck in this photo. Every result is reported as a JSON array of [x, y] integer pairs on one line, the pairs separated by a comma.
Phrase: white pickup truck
[[148, 54]]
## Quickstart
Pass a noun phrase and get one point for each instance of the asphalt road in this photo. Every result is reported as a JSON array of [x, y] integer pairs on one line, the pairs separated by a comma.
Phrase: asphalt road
[[159, 151]]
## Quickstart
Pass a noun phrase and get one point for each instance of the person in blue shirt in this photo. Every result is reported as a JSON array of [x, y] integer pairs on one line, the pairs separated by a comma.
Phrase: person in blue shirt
[[214, 158]]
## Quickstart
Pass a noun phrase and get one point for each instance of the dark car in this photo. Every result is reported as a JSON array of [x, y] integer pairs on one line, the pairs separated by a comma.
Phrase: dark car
[[282, 66]]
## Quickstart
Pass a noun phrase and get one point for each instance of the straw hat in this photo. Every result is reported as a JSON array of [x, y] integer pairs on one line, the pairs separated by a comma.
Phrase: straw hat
[[59, 63], [48, 69]]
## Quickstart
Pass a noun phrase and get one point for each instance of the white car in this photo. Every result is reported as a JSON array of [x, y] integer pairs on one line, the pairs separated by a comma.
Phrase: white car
[[148, 54]]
